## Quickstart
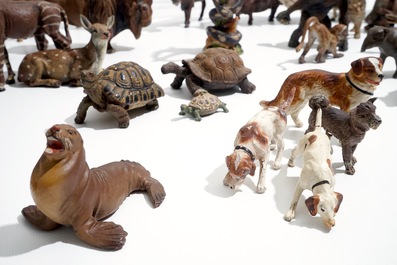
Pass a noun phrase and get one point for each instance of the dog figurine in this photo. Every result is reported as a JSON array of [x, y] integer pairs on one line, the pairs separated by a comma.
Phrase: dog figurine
[[349, 128], [254, 141], [328, 39], [316, 175], [345, 90]]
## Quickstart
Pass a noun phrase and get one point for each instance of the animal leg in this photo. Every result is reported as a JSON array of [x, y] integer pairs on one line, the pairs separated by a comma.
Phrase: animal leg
[[308, 45], [82, 110], [2, 59], [260, 187], [246, 86], [41, 41], [223, 107], [250, 19], [295, 116], [38, 219], [203, 4], [152, 105], [280, 150], [196, 114], [11, 74], [153, 187], [104, 235], [347, 155], [191, 85], [290, 214], [120, 114], [186, 6]]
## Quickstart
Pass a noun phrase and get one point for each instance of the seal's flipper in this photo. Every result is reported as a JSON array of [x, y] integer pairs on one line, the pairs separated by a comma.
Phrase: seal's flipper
[[105, 235], [155, 191], [38, 218]]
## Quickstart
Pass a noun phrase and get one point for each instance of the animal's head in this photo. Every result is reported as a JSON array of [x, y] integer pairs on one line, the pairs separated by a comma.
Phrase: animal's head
[[325, 205], [340, 32], [62, 141], [88, 80], [375, 37], [239, 166], [139, 14], [100, 33], [367, 71], [365, 114]]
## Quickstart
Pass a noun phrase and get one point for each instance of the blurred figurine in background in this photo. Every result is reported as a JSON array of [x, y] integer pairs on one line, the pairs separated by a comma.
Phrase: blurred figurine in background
[[186, 6], [253, 6]]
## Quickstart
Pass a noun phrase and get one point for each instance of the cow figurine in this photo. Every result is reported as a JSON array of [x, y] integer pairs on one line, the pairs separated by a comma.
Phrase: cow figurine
[[253, 6], [19, 20]]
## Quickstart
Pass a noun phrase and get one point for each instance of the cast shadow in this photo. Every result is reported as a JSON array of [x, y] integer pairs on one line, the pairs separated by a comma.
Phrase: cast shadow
[[22, 238], [391, 99]]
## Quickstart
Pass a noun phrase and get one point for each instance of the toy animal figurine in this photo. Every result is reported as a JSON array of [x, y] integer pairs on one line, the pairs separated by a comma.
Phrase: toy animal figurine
[[19, 20], [378, 15], [328, 39], [202, 104], [254, 141], [120, 87], [186, 6], [53, 68], [67, 192], [385, 38], [253, 6], [356, 15], [224, 33], [345, 90], [316, 8], [132, 14], [316, 175], [215, 68], [348, 128]]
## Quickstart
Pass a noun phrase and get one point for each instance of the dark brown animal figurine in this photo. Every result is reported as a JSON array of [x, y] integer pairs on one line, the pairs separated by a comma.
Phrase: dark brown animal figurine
[[378, 15], [186, 6], [328, 39], [131, 14], [19, 20], [345, 90], [316, 8], [67, 192], [253, 6], [348, 128], [53, 68]]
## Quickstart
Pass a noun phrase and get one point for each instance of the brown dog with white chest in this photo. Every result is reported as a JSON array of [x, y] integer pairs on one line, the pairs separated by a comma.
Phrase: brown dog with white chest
[[345, 90]]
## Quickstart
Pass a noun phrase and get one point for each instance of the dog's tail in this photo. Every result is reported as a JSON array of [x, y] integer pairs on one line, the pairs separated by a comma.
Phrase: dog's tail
[[306, 27], [278, 102]]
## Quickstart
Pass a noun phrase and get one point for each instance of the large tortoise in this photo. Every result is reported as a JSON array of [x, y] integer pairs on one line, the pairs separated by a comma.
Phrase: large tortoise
[[214, 68], [117, 89], [202, 104]]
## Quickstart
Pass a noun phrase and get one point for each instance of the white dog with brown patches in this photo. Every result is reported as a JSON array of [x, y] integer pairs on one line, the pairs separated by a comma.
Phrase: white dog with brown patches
[[254, 141], [316, 175]]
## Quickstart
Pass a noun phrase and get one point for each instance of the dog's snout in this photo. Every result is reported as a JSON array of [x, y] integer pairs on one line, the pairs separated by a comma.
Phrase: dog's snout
[[381, 76]]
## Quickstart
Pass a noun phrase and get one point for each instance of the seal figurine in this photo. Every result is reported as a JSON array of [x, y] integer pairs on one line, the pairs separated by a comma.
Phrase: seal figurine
[[67, 192]]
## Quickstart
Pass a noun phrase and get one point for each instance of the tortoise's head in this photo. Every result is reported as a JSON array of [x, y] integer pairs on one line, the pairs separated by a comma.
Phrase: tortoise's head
[[88, 80], [62, 140]]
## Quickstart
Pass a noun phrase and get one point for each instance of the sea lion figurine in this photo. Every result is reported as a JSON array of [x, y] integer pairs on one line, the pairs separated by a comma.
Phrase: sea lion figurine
[[67, 192]]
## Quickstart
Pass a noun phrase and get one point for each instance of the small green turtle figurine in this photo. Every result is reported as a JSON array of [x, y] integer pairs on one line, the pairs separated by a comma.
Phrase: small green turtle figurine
[[202, 104]]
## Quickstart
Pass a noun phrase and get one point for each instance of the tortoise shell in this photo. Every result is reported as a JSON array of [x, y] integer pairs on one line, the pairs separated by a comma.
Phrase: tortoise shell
[[205, 102], [218, 65], [128, 84]]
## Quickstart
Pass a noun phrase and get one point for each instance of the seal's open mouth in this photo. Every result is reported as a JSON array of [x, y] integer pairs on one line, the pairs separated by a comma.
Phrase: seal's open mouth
[[54, 145]]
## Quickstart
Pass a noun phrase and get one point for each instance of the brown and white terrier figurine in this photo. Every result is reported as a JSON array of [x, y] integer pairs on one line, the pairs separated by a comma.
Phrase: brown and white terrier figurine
[[254, 141], [316, 175], [345, 90]]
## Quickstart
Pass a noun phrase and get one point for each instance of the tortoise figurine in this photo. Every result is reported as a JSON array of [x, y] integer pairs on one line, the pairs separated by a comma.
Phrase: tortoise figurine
[[120, 87], [214, 68], [202, 104]]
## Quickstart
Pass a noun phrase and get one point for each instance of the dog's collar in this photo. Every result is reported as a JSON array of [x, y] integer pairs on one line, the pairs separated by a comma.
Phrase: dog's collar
[[245, 149], [320, 183], [356, 87]]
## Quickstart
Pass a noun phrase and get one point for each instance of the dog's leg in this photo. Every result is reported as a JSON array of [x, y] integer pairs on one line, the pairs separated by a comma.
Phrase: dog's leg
[[295, 115], [280, 150], [347, 155], [288, 216], [260, 187], [308, 45], [297, 151]]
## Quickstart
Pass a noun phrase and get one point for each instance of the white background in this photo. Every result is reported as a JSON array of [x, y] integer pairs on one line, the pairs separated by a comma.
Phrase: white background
[[201, 221]]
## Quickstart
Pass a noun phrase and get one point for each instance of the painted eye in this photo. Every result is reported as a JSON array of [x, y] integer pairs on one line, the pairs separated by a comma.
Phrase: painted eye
[[322, 209]]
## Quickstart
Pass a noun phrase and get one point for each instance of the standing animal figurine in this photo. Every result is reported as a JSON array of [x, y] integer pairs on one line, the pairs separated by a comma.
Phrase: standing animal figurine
[[385, 38], [214, 68], [186, 6], [67, 192], [316, 8], [19, 20], [253, 6], [378, 15], [120, 87], [53, 68], [254, 141], [345, 90], [356, 15], [348, 128], [316, 175], [131, 14], [328, 39], [202, 104]]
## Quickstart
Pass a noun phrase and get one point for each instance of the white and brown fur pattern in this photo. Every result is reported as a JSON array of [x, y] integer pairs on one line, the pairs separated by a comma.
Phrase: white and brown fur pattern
[[253, 142], [365, 75], [53, 68], [316, 175]]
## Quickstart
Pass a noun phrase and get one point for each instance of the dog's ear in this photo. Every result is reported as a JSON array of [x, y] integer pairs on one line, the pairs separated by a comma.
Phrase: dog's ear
[[372, 99], [228, 161], [253, 168], [357, 66], [311, 204], [340, 199]]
